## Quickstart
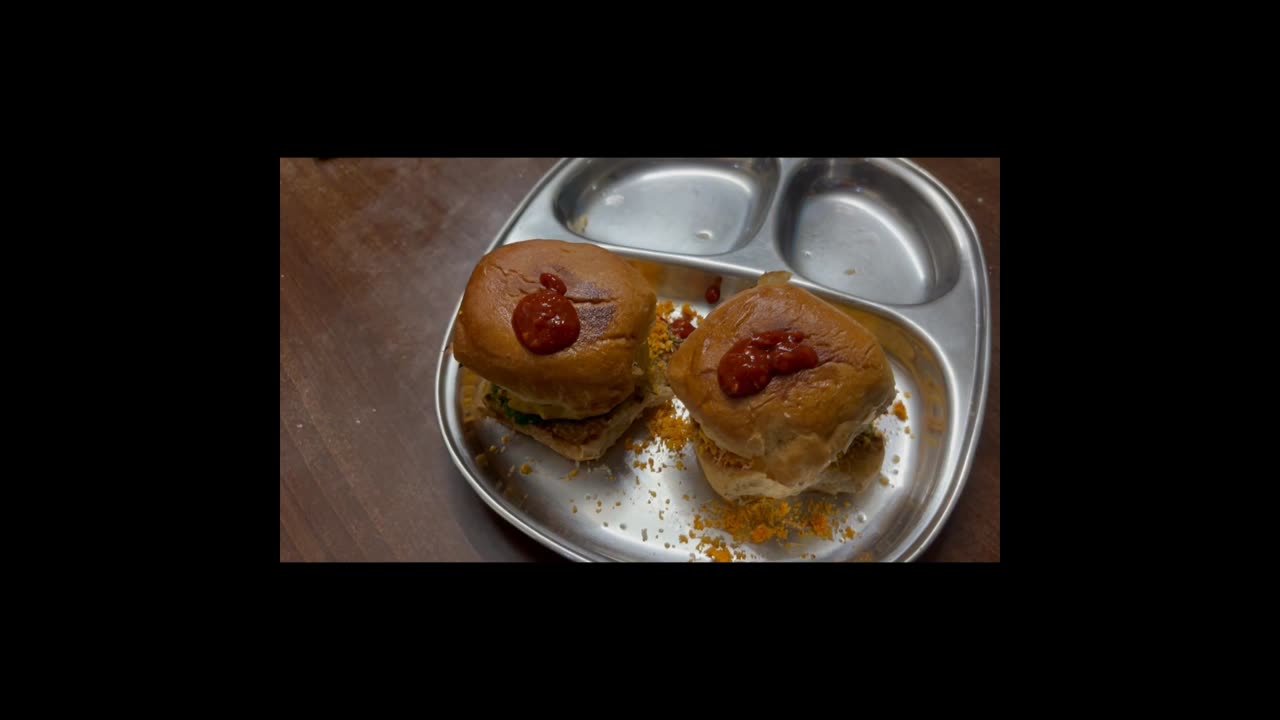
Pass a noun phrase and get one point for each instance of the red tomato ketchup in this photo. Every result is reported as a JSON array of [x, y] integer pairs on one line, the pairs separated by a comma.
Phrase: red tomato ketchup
[[546, 322], [752, 362], [682, 328], [713, 292]]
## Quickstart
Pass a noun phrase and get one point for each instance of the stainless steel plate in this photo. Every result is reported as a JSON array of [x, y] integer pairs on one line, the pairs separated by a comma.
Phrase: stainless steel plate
[[880, 238]]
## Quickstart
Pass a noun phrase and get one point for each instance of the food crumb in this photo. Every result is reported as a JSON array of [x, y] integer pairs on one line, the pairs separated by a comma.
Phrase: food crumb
[[525, 469], [660, 515], [506, 439], [623, 526], [884, 481], [907, 394], [493, 448], [575, 509], [599, 503], [618, 504], [716, 550], [660, 341], [644, 534], [653, 494], [849, 533], [574, 474], [482, 460], [850, 271], [668, 430], [900, 410], [821, 526], [684, 539], [666, 545], [606, 524], [897, 459], [763, 520], [686, 497]]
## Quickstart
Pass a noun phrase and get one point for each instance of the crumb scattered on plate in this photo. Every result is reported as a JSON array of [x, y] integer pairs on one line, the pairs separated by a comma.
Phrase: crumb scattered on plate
[[900, 410]]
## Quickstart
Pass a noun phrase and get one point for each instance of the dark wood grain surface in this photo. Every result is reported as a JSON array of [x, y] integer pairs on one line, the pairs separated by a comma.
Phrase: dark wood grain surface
[[374, 254]]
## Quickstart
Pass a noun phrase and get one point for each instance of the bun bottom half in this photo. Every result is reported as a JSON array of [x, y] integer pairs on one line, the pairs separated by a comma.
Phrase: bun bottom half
[[579, 440], [733, 478]]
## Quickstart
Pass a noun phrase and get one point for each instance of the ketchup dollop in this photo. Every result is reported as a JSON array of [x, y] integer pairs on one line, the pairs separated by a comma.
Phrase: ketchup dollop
[[545, 321], [752, 362], [713, 292], [682, 328]]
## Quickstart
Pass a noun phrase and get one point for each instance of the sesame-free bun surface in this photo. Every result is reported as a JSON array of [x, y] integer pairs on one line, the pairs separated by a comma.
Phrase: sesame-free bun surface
[[800, 423], [615, 307]]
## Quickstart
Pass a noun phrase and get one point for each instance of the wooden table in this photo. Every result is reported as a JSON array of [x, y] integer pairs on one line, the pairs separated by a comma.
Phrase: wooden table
[[373, 256]]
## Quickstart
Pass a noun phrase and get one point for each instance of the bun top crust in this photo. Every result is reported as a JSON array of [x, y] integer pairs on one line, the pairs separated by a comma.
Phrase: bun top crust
[[615, 307], [798, 423]]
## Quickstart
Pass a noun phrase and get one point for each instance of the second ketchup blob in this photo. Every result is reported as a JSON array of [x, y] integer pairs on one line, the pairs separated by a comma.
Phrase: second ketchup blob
[[682, 328], [713, 291], [752, 362]]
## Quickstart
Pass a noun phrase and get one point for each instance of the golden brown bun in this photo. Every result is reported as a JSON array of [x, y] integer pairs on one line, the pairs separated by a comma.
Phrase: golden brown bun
[[615, 307], [849, 473], [799, 423]]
